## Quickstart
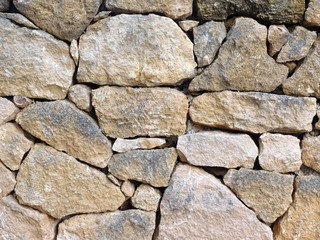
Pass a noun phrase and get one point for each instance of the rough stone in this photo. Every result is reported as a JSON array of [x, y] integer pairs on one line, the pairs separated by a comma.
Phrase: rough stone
[[8, 111], [188, 25], [217, 149], [101, 15], [113, 179], [59, 185], [7, 181], [66, 128], [18, 19], [278, 35], [254, 112], [196, 205], [125, 145], [135, 50], [4, 5], [312, 14], [129, 112], [128, 188], [21, 101], [74, 51], [242, 62], [149, 166], [317, 126], [310, 152], [80, 95], [146, 198]]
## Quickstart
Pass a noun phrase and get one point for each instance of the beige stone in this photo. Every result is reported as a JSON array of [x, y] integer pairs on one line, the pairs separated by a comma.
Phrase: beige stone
[[188, 25], [135, 50], [128, 188], [312, 14], [59, 185], [278, 35], [8, 110], [74, 51], [254, 112], [279, 153], [125, 145], [310, 154], [18, 19], [4, 5], [196, 205], [21, 101], [113, 179], [146, 198], [7, 181], [317, 126], [101, 15], [129, 112], [80, 95], [242, 62], [66, 128]]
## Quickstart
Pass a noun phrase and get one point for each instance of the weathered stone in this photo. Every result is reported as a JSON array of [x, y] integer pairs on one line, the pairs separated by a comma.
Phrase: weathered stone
[[269, 194], [21, 101], [124, 145], [278, 35], [312, 14], [13, 145], [149, 166], [301, 221], [8, 110], [135, 50], [74, 51], [36, 66], [207, 41], [18, 19], [113, 179], [217, 149], [146, 198], [128, 188], [318, 115], [306, 171], [310, 152], [129, 112], [129, 224], [279, 153], [254, 112], [101, 15], [7, 181], [66, 20], [4, 5], [59, 185], [242, 62], [196, 205], [66, 128], [291, 66], [80, 95], [188, 25]]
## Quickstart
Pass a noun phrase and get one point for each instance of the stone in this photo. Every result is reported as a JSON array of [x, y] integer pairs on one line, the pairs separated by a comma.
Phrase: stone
[[101, 15], [74, 51], [254, 112], [66, 20], [125, 145], [298, 45], [114, 180], [129, 224], [135, 50], [18, 19], [279, 153], [66, 128], [80, 95], [4, 5], [317, 126], [146, 198], [188, 25], [130, 112], [59, 185], [8, 110], [301, 221], [207, 41], [242, 63], [278, 35], [22, 102], [310, 152], [20, 222], [312, 14], [148, 166], [36, 66], [196, 205], [7, 181], [128, 188], [269, 194], [217, 149]]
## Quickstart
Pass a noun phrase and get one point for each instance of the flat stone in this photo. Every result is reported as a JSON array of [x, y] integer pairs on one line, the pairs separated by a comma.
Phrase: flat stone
[[230, 150], [7, 182], [146, 198], [80, 95], [18, 19], [74, 51], [254, 112], [310, 152], [129, 224], [8, 110], [135, 50], [128, 188], [130, 112], [279, 153], [66, 128], [21, 101], [148, 166], [4, 5], [278, 35], [312, 14], [59, 185], [66, 20], [125, 145], [196, 205], [242, 62], [188, 25]]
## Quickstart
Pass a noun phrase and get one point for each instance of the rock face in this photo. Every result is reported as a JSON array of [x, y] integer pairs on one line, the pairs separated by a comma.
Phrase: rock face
[[242, 63], [135, 50], [125, 145], [254, 112], [66, 128], [312, 14], [80, 95], [146, 198], [7, 181], [190, 201], [8, 110], [129, 112], [4, 5], [217, 149], [310, 152], [59, 185], [278, 35]]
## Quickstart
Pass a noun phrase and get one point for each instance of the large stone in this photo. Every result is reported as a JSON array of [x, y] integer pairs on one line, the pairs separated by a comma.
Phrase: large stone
[[129, 112], [7, 181], [8, 110], [312, 14], [254, 112], [242, 63], [146, 198], [278, 35], [124, 145], [66, 128], [149, 166], [135, 50], [66, 20], [59, 185], [269, 194], [80, 95], [196, 205], [4, 5], [310, 146], [218, 149], [119, 225]]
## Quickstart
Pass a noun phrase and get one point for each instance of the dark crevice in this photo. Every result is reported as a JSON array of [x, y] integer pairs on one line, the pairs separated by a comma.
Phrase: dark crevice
[[158, 220]]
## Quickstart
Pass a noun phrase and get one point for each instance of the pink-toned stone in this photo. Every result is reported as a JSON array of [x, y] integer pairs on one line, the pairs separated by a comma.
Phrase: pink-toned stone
[[8, 110]]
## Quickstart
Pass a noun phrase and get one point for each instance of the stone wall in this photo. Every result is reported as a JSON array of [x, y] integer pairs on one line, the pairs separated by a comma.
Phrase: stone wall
[[159, 119]]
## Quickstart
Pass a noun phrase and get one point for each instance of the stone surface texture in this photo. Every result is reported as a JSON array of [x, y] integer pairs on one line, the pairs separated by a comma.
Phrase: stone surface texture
[[146, 198], [310, 152], [19, 19], [312, 14], [125, 145], [278, 35], [8, 110], [74, 51], [188, 25], [4, 5], [128, 188], [80, 95], [7, 181]]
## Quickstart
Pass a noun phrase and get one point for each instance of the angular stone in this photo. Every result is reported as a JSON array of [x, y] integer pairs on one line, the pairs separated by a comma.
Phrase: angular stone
[[66, 20], [125, 145], [149, 166], [7, 181], [254, 112], [278, 35], [74, 51], [113, 179], [36, 66], [135, 50], [188, 25], [59, 185], [230, 150], [4, 5], [129, 224], [18, 19], [128, 188], [80, 95], [129, 112], [101, 15], [312, 14], [195, 199], [279, 153], [146, 198], [8, 110], [21, 101], [310, 152], [242, 62], [66, 128]]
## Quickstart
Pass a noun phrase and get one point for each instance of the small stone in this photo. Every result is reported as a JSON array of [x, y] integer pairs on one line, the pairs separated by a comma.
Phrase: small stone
[[146, 198], [230, 150], [318, 115], [18, 19], [310, 152], [7, 182], [312, 14], [125, 145], [128, 188], [188, 25], [21, 101], [80, 95], [291, 66], [101, 15], [114, 180], [4, 5], [74, 51], [306, 171], [8, 110], [278, 35]]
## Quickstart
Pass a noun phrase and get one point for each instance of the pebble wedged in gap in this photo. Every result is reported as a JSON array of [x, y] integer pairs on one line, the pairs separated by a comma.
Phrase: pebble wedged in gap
[[80, 95], [146, 198], [278, 35]]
